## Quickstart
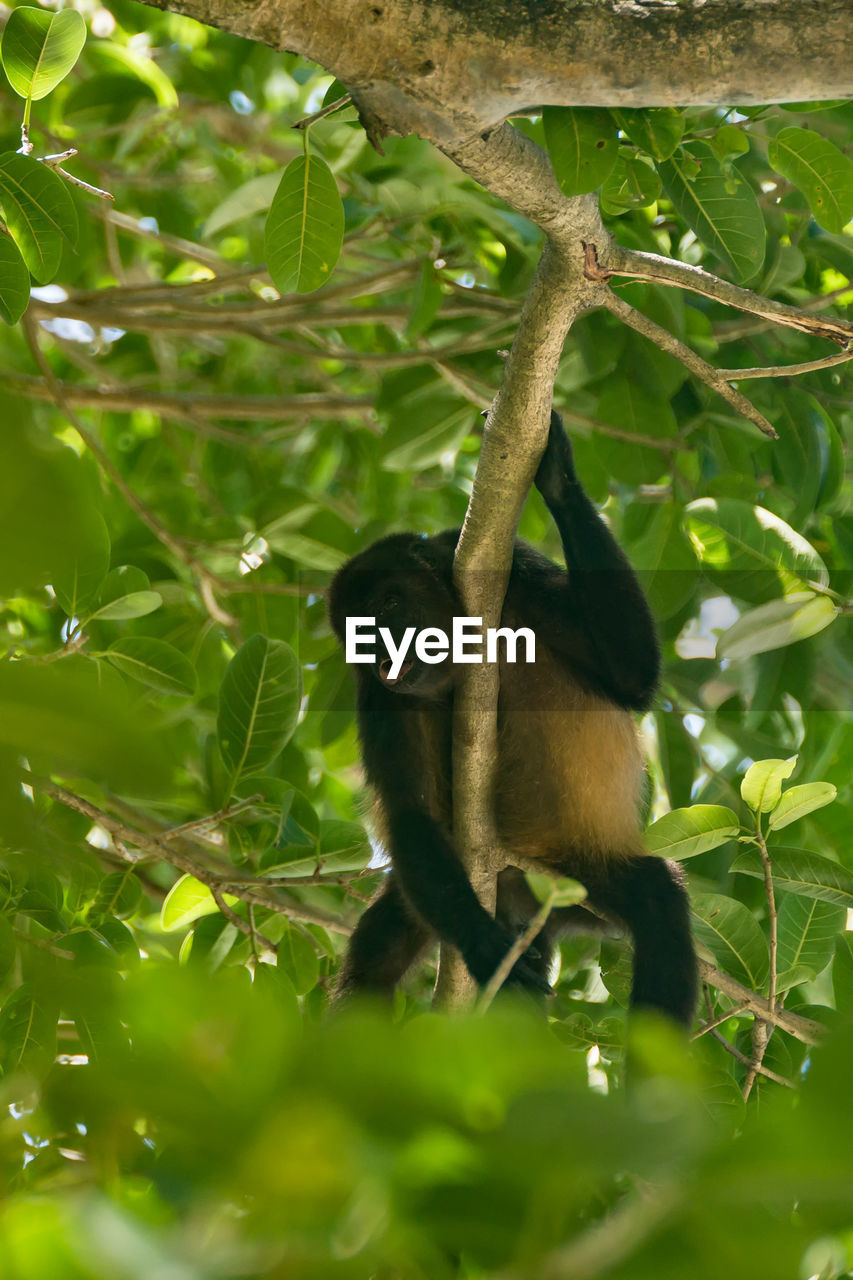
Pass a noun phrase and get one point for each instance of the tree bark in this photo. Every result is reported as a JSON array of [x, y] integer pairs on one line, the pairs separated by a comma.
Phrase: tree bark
[[447, 69]]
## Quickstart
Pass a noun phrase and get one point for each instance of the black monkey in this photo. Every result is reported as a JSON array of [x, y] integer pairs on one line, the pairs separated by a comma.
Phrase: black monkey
[[570, 767]]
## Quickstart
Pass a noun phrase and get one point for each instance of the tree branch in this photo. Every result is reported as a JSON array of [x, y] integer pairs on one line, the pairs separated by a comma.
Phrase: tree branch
[[805, 1029], [787, 370], [516, 430], [128, 399], [159, 846], [690, 359], [446, 69], [618, 261]]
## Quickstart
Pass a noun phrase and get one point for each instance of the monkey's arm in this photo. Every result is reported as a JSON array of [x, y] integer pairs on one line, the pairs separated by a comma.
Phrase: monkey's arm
[[426, 866], [596, 613]]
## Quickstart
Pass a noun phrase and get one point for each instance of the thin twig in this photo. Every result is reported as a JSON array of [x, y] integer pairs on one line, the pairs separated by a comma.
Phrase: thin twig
[[689, 358], [188, 406], [804, 1029], [244, 926], [788, 370], [762, 1031], [198, 826], [55, 163], [639, 265], [720, 1018], [760, 1069], [516, 951], [155, 847], [43, 945], [307, 121], [735, 330]]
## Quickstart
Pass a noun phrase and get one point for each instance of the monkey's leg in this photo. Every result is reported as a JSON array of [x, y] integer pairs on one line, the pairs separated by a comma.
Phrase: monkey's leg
[[646, 894], [387, 940]]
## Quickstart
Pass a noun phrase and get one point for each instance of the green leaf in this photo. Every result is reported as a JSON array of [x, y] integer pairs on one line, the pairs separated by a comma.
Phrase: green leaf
[[274, 978], [134, 605], [777, 624], [258, 704], [28, 1030], [719, 206], [427, 446], [154, 662], [119, 894], [135, 63], [583, 146], [798, 801], [761, 786], [38, 210], [666, 560], [188, 899], [628, 404], [631, 184], [51, 530], [807, 930], [305, 226], [657, 130], [254, 196], [341, 846], [729, 140], [696, 829], [39, 907], [732, 934], [756, 551], [8, 947], [297, 958], [14, 280], [80, 563], [802, 872], [561, 891], [124, 580], [304, 550], [40, 48], [73, 717], [820, 170]]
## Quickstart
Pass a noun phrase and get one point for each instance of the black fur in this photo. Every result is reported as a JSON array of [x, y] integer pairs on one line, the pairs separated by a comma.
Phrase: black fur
[[594, 623]]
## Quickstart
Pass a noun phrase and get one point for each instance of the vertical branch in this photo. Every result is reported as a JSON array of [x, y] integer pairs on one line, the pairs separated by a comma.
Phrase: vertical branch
[[762, 1031], [514, 438]]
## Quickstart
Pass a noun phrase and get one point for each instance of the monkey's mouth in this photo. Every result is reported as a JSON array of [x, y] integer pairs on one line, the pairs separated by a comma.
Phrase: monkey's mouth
[[385, 671]]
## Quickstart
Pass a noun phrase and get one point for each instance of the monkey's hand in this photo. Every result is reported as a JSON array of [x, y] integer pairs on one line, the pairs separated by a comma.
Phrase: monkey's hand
[[483, 960], [524, 977], [557, 466]]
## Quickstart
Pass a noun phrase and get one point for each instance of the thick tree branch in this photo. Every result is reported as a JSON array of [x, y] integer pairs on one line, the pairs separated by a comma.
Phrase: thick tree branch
[[513, 441], [447, 70]]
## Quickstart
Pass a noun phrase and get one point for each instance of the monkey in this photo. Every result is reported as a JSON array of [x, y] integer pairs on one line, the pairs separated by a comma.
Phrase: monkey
[[570, 771]]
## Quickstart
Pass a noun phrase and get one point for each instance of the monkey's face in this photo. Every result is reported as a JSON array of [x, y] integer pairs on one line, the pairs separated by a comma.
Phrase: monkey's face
[[403, 584], [413, 612]]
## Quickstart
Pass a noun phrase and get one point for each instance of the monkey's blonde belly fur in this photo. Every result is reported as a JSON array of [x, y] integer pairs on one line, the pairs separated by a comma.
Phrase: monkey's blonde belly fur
[[570, 773], [570, 769]]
